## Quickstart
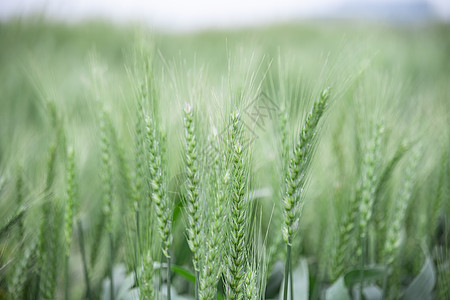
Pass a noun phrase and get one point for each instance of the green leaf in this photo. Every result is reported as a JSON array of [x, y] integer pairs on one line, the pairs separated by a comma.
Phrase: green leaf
[[189, 276], [337, 291], [365, 274], [422, 286]]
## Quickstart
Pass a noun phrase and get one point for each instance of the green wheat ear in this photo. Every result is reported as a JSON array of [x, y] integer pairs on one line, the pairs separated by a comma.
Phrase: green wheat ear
[[107, 177], [237, 252], [393, 237], [159, 196], [160, 199], [192, 187], [300, 161], [146, 280], [70, 210], [296, 178]]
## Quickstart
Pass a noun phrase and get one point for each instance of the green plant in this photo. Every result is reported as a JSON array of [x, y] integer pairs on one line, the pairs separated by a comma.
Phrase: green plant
[[238, 210], [192, 197], [296, 179]]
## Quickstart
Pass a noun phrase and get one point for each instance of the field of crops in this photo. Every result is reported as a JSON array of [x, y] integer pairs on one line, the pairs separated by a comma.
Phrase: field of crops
[[300, 161]]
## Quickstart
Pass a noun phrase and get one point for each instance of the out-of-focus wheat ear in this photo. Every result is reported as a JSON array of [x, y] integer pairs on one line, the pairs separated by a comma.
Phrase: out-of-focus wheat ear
[[22, 270], [124, 172], [368, 189], [349, 225], [141, 190], [439, 201], [401, 202], [368, 185], [20, 198], [107, 176], [212, 268], [146, 277], [346, 232], [107, 183], [43, 252], [379, 214], [297, 174], [192, 187], [70, 211], [139, 174]]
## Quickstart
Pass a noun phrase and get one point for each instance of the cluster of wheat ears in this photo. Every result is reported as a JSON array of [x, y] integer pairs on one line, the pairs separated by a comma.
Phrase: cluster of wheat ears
[[232, 256]]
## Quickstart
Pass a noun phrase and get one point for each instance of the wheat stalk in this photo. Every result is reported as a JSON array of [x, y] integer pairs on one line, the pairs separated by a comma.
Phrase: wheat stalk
[[296, 176]]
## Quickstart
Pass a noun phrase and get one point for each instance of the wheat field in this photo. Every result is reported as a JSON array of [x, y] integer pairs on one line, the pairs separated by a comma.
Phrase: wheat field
[[296, 161]]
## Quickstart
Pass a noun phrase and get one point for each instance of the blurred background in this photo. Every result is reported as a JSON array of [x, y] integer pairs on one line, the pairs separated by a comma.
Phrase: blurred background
[[198, 14]]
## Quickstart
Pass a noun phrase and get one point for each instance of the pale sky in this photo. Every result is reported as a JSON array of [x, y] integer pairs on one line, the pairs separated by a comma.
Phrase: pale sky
[[190, 14]]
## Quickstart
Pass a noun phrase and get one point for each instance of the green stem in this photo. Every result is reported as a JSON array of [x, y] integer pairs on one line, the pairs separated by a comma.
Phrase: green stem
[[66, 274], [111, 262], [36, 287], [83, 259], [361, 277], [138, 232], [385, 279], [287, 268], [160, 273], [197, 277], [135, 263], [137, 248], [291, 279], [168, 278]]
